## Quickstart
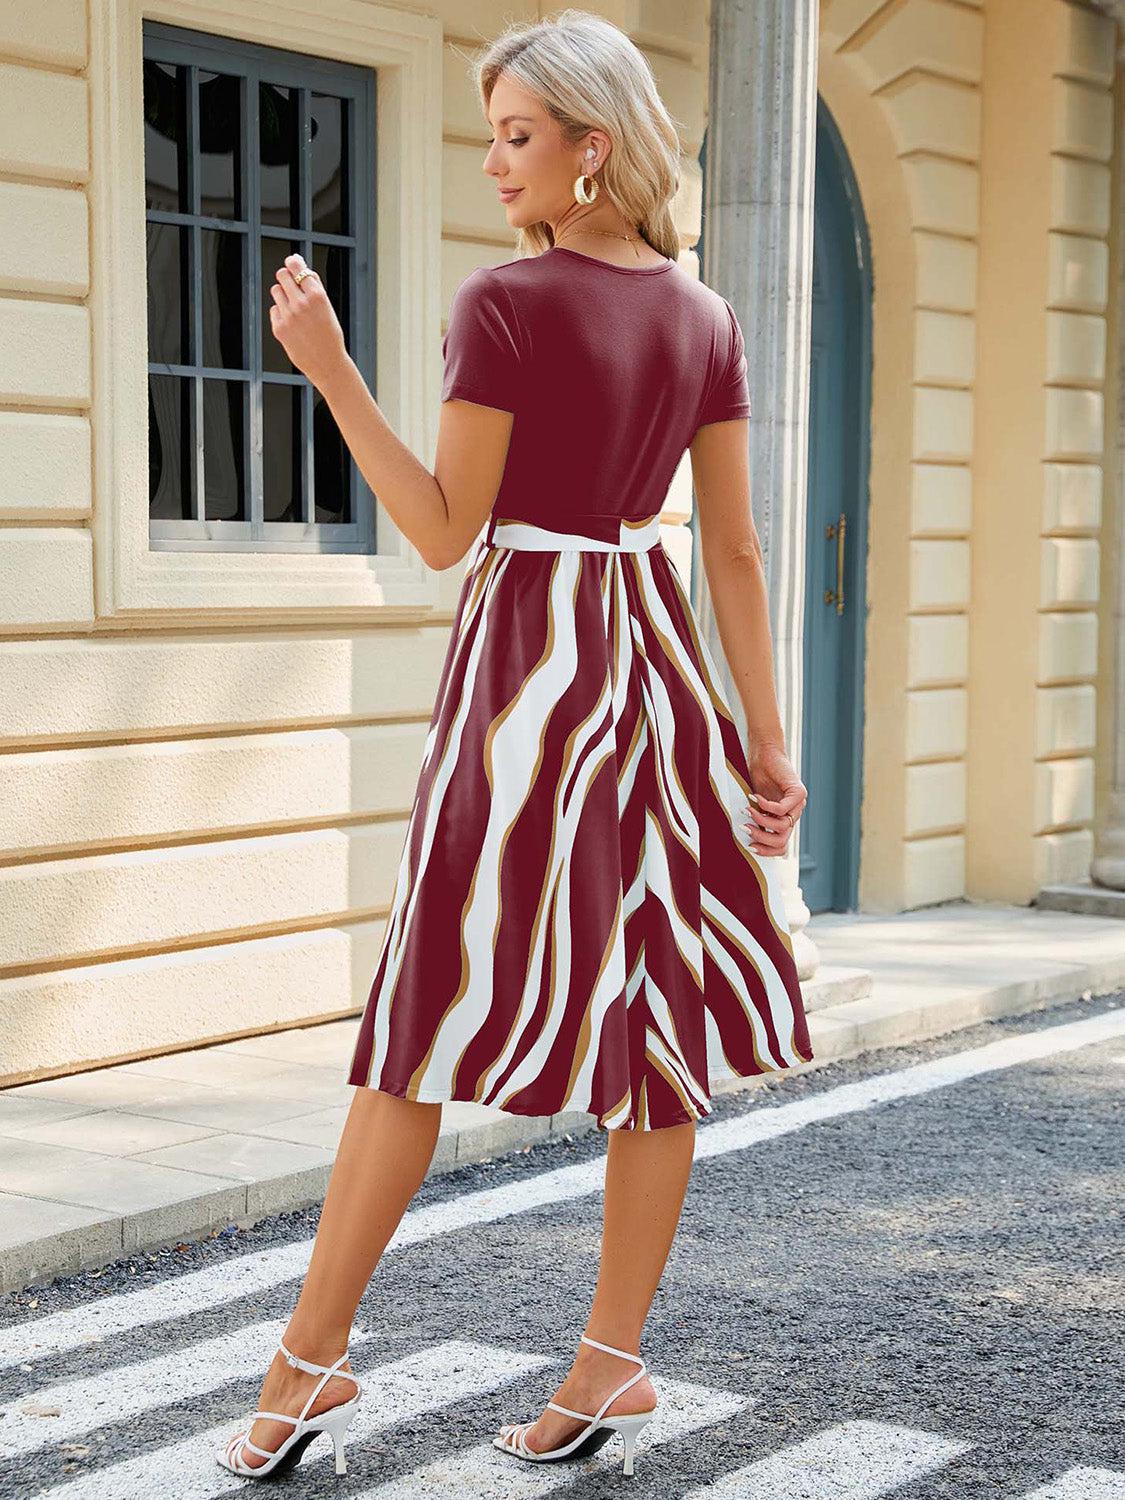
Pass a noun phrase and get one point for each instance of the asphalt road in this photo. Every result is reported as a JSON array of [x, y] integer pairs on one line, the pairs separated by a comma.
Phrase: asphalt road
[[898, 1275]]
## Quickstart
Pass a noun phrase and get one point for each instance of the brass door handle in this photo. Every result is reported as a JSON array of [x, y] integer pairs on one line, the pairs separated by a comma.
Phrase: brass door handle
[[837, 529]]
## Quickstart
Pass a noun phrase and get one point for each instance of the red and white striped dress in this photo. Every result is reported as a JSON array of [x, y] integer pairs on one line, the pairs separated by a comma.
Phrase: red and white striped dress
[[578, 921]]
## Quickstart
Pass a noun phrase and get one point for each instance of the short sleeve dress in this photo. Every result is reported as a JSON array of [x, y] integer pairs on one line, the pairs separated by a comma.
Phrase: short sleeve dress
[[578, 921]]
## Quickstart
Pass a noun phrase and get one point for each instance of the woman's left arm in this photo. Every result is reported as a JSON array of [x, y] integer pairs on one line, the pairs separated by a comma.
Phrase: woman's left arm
[[735, 569]]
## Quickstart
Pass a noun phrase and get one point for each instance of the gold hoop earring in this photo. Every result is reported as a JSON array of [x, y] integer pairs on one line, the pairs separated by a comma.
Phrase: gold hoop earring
[[581, 193]]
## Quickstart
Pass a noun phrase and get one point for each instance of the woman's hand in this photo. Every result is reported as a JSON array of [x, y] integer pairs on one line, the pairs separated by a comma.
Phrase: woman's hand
[[777, 799], [305, 323]]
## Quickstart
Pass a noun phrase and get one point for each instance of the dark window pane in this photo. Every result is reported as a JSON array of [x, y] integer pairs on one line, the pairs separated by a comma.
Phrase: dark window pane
[[166, 137], [220, 130], [253, 415], [277, 129], [329, 164], [169, 340], [331, 466], [332, 263], [169, 459], [221, 287], [274, 357], [224, 455], [282, 452]]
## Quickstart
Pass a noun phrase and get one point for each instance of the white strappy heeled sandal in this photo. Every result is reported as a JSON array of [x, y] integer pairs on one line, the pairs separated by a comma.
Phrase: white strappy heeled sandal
[[334, 1421], [512, 1437]]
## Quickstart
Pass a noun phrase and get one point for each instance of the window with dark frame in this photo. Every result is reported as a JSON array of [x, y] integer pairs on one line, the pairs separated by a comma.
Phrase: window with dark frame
[[251, 153]]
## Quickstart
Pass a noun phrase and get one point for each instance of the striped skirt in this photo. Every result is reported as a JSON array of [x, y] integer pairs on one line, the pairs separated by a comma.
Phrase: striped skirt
[[578, 921]]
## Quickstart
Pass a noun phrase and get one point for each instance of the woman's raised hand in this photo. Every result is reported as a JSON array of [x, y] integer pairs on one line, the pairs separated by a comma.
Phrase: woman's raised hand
[[304, 321]]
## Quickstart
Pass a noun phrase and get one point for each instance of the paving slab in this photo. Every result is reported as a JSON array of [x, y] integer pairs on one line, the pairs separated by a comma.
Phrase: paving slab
[[124, 1158], [111, 1132], [86, 1179]]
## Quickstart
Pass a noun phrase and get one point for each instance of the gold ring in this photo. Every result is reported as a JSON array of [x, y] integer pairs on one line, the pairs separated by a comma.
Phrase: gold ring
[[299, 276]]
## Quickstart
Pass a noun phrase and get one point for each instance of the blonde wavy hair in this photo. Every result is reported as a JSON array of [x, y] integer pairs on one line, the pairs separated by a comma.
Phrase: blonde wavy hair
[[587, 73]]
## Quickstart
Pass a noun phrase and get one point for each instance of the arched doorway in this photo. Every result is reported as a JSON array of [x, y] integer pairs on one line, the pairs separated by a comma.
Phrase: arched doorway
[[836, 536]]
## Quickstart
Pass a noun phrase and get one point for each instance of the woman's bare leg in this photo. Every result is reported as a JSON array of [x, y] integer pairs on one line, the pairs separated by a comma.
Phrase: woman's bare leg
[[384, 1153], [646, 1179]]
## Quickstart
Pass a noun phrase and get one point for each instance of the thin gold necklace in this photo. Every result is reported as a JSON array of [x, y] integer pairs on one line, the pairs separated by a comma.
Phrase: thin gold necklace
[[613, 232]]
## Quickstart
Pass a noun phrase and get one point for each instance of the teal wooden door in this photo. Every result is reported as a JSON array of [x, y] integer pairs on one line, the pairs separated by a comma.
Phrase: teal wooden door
[[836, 536]]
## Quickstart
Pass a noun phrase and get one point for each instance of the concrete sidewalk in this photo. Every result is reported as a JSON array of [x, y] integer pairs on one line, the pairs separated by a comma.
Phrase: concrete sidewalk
[[124, 1158]]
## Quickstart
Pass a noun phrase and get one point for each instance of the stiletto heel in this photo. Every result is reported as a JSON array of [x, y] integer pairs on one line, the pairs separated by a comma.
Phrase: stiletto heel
[[512, 1437], [335, 1421], [338, 1426], [629, 1427]]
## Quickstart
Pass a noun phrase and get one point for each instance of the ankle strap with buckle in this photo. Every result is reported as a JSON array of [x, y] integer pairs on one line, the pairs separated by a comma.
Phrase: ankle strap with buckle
[[304, 1364]]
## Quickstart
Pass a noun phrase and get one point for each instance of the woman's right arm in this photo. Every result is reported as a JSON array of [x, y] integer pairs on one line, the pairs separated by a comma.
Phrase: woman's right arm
[[438, 513]]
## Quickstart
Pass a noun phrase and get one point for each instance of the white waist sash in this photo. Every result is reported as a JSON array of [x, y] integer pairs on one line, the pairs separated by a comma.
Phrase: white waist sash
[[620, 535]]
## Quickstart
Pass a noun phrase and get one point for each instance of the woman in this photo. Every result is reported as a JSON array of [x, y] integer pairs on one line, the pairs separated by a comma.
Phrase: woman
[[586, 914]]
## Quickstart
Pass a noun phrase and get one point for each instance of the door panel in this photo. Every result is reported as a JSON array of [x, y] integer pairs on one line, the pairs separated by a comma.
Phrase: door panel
[[836, 536]]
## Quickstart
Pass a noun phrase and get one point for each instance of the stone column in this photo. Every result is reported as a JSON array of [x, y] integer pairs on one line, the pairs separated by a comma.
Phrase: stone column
[[758, 252]]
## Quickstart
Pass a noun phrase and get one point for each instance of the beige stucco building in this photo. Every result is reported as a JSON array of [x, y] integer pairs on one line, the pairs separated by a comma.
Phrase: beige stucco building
[[209, 753]]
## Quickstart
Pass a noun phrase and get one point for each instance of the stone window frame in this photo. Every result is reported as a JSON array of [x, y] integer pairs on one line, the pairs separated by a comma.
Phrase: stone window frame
[[132, 579]]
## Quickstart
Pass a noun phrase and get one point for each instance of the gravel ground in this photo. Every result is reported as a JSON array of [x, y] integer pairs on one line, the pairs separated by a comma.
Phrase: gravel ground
[[951, 1262]]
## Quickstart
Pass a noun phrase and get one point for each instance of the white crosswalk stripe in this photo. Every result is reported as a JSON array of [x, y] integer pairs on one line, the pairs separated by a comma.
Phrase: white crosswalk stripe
[[127, 1390], [1083, 1484], [177, 1297], [853, 1461], [484, 1473], [921, 1078], [264, 1270], [392, 1393]]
